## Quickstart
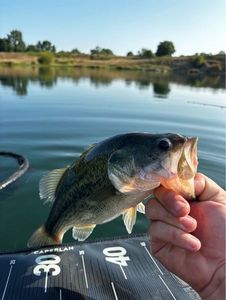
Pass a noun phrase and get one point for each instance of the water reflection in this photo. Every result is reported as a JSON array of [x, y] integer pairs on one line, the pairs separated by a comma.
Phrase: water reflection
[[98, 80], [161, 88], [18, 78], [47, 77], [18, 84]]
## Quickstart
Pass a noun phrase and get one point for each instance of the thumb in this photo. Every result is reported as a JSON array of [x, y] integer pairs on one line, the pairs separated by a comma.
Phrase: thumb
[[206, 189]]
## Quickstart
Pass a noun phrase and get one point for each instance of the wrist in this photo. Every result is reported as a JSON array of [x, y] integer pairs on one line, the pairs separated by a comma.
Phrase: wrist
[[216, 288]]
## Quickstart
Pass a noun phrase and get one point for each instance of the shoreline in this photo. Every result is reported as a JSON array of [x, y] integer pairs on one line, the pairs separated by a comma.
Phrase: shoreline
[[18, 76], [159, 65]]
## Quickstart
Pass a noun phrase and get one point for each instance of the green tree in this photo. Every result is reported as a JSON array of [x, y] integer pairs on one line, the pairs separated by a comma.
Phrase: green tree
[[39, 46], [130, 54], [95, 51], [106, 51], [45, 46], [145, 53], [16, 42], [199, 61], [4, 45], [101, 53], [165, 48], [45, 58], [31, 48], [75, 51]]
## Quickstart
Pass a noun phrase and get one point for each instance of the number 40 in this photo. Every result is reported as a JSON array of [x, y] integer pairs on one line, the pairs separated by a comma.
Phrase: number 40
[[116, 255]]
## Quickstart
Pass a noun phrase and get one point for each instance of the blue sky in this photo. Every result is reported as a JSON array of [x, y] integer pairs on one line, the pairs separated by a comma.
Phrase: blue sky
[[121, 25]]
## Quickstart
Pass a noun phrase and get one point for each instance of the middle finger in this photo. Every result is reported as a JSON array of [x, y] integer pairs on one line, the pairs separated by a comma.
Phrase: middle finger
[[156, 212]]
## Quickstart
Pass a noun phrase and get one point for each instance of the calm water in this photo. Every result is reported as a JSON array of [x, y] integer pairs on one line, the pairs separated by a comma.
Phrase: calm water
[[52, 115]]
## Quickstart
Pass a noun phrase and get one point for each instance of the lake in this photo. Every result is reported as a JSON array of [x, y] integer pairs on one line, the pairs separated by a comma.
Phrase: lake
[[51, 115]]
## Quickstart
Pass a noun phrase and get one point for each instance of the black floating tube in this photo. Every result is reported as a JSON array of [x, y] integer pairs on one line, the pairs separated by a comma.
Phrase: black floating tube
[[23, 166]]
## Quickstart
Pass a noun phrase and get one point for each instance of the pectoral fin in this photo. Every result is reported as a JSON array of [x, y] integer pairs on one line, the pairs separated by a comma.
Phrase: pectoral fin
[[121, 170], [82, 233], [129, 218], [121, 186]]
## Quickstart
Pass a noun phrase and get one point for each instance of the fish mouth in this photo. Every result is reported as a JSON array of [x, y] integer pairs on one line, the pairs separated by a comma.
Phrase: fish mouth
[[181, 163], [187, 165], [176, 173], [183, 169]]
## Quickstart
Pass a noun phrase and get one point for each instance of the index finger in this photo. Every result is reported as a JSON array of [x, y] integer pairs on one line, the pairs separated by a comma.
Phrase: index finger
[[172, 202]]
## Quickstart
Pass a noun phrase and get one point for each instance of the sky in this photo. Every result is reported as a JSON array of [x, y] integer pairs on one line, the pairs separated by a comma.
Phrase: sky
[[193, 26]]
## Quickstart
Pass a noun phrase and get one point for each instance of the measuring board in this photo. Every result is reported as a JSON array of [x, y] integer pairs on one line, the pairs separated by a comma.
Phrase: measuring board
[[111, 269]]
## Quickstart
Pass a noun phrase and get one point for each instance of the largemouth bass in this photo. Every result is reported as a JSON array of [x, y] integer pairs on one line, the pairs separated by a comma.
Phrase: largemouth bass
[[112, 178]]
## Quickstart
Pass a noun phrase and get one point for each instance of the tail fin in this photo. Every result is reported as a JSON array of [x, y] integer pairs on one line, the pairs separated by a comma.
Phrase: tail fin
[[42, 238]]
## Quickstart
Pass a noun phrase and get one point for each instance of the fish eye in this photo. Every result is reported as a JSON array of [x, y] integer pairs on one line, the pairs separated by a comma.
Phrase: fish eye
[[164, 144]]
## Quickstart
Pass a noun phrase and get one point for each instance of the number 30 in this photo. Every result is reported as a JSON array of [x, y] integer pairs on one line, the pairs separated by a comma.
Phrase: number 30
[[47, 263]]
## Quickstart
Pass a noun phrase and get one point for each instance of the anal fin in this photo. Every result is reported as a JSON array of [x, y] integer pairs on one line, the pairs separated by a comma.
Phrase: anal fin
[[81, 233], [129, 218]]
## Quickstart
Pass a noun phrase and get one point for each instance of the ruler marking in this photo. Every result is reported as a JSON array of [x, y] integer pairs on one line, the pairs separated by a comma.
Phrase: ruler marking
[[46, 281], [145, 247], [123, 272], [84, 268], [114, 291], [167, 287], [60, 294], [7, 281]]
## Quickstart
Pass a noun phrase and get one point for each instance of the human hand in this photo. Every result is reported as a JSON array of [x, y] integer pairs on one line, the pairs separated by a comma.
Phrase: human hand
[[189, 238]]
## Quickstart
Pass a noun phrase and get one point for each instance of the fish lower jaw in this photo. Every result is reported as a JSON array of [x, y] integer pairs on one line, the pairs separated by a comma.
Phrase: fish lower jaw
[[184, 188], [167, 175]]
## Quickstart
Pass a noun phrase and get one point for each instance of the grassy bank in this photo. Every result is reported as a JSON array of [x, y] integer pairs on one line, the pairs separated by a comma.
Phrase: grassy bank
[[214, 64]]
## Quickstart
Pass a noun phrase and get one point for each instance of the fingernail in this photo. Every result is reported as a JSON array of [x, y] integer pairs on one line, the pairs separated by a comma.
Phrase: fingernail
[[179, 205], [193, 243], [188, 223], [199, 184]]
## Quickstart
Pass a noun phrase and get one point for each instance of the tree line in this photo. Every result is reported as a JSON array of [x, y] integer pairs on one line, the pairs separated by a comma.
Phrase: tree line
[[14, 42], [165, 48]]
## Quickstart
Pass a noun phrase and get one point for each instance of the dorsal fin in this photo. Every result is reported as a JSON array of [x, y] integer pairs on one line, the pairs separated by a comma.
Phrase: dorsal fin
[[48, 184], [87, 150]]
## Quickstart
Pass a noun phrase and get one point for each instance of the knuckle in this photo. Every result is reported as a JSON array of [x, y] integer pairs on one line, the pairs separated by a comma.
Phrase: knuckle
[[170, 196], [166, 197], [174, 234], [154, 229], [151, 208]]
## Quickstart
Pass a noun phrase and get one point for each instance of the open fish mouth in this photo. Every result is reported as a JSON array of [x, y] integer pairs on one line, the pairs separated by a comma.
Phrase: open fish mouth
[[183, 170], [182, 163], [187, 165], [176, 172]]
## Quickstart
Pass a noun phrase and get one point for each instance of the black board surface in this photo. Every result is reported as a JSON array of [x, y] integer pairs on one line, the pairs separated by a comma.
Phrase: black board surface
[[120, 268]]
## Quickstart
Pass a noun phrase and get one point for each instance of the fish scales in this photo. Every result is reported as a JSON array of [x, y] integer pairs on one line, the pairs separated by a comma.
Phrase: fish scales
[[112, 178]]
